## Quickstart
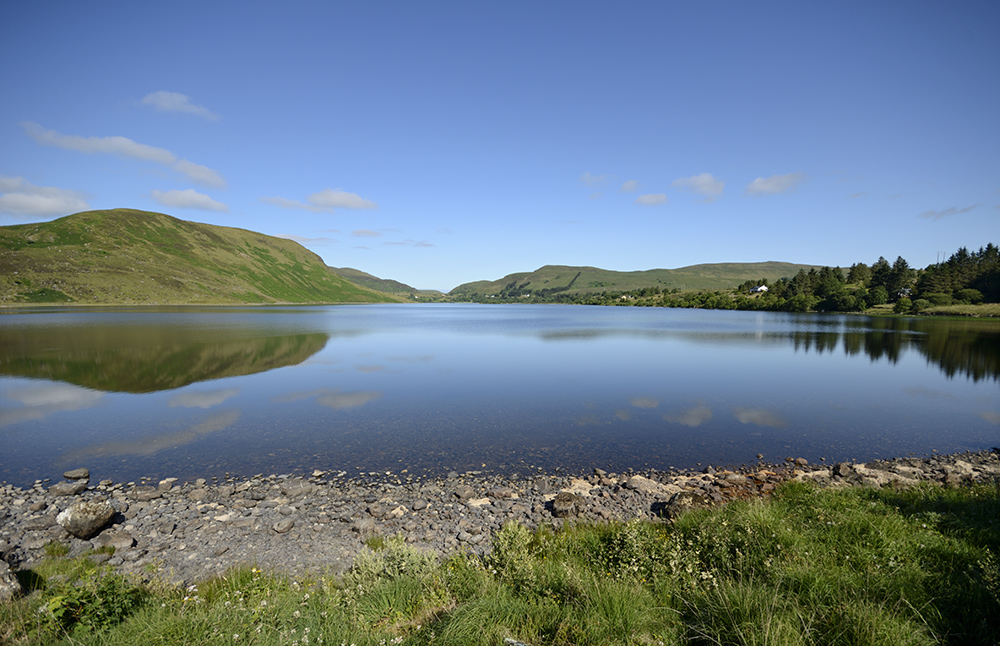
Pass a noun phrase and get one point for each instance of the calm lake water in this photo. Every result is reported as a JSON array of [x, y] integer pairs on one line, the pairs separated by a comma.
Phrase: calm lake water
[[203, 392]]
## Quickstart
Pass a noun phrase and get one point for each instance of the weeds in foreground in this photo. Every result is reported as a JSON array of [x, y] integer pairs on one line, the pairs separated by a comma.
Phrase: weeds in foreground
[[810, 566]]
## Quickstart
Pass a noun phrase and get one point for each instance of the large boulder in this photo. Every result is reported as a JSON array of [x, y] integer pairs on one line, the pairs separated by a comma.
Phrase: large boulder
[[10, 587], [84, 519]]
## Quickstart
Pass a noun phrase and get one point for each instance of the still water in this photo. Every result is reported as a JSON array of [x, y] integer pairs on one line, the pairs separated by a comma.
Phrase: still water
[[201, 392]]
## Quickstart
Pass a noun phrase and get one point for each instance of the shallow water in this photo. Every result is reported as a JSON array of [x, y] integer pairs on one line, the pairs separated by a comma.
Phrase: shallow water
[[200, 392]]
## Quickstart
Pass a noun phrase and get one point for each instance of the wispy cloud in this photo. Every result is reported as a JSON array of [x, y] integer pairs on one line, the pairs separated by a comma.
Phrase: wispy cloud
[[409, 243], [593, 180], [188, 199], [944, 213], [304, 239], [125, 147], [365, 233], [326, 200], [703, 184], [651, 199], [775, 184], [177, 102], [629, 186], [22, 198]]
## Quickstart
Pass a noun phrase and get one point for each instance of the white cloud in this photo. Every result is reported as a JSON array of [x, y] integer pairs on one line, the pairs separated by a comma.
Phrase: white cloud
[[111, 145], [593, 180], [704, 184], [629, 186], [188, 199], [365, 233], [775, 184], [200, 174], [326, 200], [651, 199], [329, 199], [943, 213], [176, 102], [20, 197], [409, 243], [124, 147]]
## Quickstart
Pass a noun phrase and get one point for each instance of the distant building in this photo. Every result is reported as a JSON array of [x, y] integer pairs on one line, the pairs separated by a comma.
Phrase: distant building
[[758, 289]]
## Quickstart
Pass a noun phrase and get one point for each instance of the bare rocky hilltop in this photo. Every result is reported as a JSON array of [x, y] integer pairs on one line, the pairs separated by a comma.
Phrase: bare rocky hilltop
[[187, 532]]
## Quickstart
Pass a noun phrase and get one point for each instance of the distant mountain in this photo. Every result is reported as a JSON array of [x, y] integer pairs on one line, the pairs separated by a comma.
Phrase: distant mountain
[[581, 280], [124, 256], [386, 285]]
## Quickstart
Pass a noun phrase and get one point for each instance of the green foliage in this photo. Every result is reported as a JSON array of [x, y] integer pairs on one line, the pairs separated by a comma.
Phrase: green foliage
[[869, 567], [903, 306]]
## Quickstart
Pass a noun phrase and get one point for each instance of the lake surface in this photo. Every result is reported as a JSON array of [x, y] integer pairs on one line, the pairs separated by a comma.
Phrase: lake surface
[[201, 392]]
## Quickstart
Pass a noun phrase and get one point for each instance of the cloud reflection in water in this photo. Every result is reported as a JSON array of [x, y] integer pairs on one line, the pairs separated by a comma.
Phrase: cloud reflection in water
[[42, 400], [155, 443], [759, 417], [202, 399], [331, 398], [693, 417]]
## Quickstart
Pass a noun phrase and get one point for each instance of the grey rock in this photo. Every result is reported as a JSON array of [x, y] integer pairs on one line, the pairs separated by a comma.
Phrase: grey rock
[[464, 492], [685, 500], [10, 587], [40, 522], [843, 469], [198, 495], [283, 525], [116, 538], [82, 473], [296, 488], [84, 519], [166, 484], [363, 527], [68, 488], [145, 494], [801, 462], [419, 504], [567, 505]]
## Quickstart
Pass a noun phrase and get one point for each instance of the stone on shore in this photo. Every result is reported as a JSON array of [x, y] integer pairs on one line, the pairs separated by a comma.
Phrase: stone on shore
[[84, 519], [68, 488], [82, 473]]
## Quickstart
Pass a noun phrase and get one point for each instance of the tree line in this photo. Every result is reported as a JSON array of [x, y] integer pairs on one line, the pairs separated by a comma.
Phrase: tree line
[[970, 277]]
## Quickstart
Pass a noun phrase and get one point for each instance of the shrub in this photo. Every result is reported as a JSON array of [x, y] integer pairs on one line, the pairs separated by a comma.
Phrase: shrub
[[903, 306], [971, 296]]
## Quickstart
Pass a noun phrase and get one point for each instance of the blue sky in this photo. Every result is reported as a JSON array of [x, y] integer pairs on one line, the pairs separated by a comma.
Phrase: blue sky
[[443, 142]]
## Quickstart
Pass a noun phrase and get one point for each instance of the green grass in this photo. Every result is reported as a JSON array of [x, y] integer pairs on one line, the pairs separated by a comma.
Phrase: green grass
[[810, 567], [125, 256]]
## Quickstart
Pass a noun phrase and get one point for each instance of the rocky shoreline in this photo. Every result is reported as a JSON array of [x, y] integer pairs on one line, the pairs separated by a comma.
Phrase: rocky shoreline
[[186, 532]]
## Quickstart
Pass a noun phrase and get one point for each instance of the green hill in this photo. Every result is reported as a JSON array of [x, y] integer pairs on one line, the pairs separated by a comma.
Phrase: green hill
[[386, 285], [581, 280], [124, 256]]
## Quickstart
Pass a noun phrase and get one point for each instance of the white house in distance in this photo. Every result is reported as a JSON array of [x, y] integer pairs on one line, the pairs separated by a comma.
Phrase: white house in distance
[[759, 289]]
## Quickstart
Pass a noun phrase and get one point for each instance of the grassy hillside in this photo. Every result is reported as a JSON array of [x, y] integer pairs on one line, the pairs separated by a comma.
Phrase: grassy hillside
[[124, 256], [579, 280], [386, 285]]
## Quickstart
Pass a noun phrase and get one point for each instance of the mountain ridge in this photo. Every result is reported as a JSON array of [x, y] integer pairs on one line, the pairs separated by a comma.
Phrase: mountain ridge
[[128, 256]]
